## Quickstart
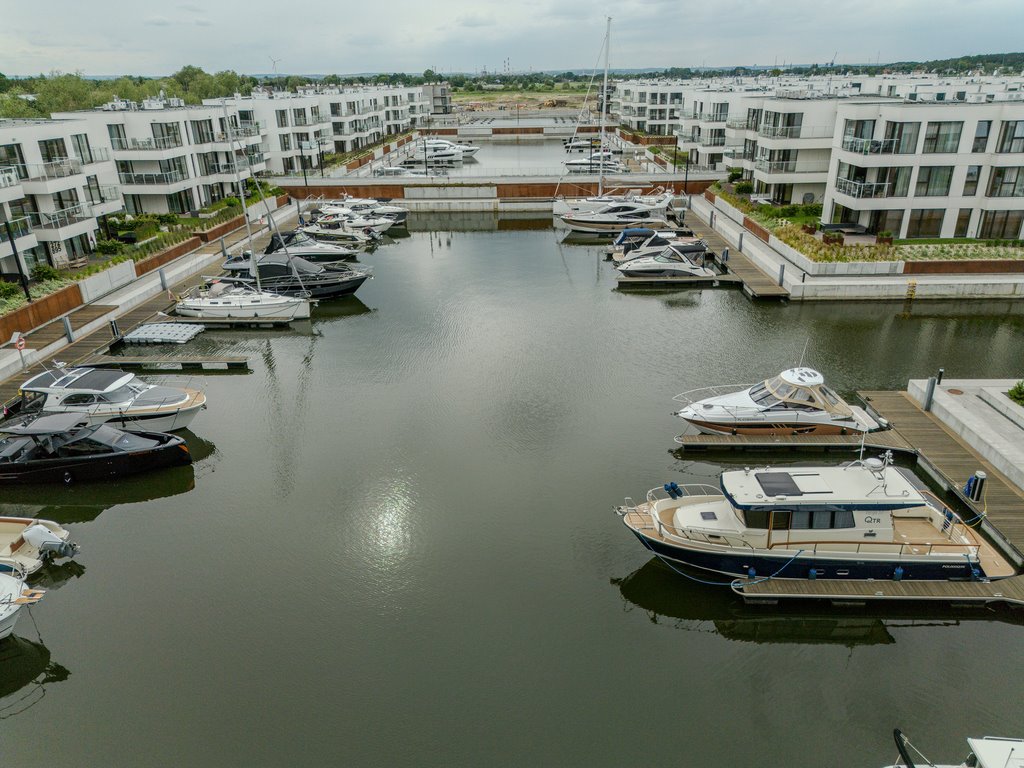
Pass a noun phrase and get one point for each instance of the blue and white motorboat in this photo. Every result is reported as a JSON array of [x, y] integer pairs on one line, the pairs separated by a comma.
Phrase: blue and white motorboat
[[866, 519]]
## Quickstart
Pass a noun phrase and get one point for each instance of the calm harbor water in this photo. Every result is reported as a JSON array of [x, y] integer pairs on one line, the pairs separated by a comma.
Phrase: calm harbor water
[[396, 546]]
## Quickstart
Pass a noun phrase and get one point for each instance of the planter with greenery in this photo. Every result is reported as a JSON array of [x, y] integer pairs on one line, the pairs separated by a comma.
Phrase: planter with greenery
[[1016, 393], [884, 238]]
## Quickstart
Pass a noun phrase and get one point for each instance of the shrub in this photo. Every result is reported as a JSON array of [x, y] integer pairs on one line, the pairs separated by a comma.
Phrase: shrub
[[1016, 393], [108, 247], [734, 174], [41, 272], [9, 290], [744, 187]]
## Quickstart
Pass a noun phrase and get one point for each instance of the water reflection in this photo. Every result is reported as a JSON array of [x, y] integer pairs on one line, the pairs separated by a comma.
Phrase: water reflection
[[476, 221], [25, 671], [336, 309], [83, 502], [670, 599]]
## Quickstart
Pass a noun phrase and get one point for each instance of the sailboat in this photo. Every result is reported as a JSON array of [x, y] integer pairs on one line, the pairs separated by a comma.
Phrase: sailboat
[[217, 298]]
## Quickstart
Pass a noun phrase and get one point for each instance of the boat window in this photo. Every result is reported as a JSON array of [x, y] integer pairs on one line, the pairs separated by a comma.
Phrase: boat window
[[83, 448], [32, 401], [784, 390], [802, 395], [125, 441], [822, 518], [780, 520], [756, 518], [800, 520], [830, 397], [79, 400], [843, 519], [760, 395]]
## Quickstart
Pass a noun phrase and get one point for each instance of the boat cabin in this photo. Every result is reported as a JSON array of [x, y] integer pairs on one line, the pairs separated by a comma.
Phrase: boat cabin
[[799, 389], [78, 388]]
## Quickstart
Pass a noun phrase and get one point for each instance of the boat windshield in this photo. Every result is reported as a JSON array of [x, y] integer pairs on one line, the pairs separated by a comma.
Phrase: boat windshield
[[122, 394], [830, 397], [123, 441], [761, 395], [668, 255], [783, 390]]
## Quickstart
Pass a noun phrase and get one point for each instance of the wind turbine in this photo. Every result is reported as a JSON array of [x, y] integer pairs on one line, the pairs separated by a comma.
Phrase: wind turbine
[[273, 62]]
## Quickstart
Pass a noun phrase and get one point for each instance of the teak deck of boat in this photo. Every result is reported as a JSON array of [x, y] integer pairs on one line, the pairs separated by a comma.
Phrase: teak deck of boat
[[675, 280]]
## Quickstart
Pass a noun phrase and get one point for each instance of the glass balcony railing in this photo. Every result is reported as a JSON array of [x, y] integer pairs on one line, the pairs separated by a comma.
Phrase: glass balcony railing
[[55, 169], [870, 146], [96, 155], [713, 117], [9, 177], [164, 142], [712, 141], [780, 131], [168, 177], [861, 189], [19, 228], [103, 194], [65, 217]]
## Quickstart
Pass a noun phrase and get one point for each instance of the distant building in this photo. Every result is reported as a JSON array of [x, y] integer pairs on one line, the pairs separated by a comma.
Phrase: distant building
[[438, 97]]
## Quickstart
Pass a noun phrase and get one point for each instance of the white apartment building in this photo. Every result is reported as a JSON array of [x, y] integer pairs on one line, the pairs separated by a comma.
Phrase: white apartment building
[[300, 127], [56, 179], [173, 158]]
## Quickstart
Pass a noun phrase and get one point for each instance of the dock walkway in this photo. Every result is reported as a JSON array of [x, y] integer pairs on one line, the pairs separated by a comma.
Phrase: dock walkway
[[756, 284]]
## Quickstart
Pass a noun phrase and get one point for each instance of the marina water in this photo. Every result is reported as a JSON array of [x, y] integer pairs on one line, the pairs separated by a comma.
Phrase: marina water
[[396, 546]]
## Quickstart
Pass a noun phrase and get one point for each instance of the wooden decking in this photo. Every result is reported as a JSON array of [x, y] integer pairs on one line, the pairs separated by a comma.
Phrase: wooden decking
[[841, 590], [945, 454], [756, 284], [886, 439]]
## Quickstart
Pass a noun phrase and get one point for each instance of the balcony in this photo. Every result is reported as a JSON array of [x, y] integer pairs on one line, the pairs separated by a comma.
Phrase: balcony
[[164, 142], [870, 146], [795, 131], [104, 194], [862, 189], [301, 120], [19, 228], [9, 177], [712, 141], [61, 168], [713, 117], [169, 177], [775, 166], [65, 217], [96, 155]]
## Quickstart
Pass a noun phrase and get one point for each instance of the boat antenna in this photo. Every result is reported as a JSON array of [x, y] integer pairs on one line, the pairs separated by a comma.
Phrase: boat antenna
[[804, 353], [241, 189], [863, 436], [603, 102]]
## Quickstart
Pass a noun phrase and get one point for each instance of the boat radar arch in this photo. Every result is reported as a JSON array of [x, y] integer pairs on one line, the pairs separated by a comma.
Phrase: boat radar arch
[[802, 377]]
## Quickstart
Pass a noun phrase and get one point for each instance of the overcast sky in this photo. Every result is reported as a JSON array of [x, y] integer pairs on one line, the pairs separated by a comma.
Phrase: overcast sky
[[156, 38]]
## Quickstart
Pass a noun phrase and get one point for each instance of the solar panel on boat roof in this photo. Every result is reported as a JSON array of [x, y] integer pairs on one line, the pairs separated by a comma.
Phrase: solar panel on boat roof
[[97, 380], [778, 484]]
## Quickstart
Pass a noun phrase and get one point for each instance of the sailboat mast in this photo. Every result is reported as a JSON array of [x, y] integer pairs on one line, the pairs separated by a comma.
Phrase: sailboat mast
[[241, 191], [603, 102]]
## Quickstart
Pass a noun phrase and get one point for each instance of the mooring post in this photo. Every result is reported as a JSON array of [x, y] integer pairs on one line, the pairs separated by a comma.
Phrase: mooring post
[[68, 330], [739, 245], [163, 279], [782, 273], [929, 393]]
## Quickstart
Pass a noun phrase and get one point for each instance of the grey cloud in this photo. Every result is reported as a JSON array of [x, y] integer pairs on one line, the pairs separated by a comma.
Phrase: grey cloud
[[157, 21]]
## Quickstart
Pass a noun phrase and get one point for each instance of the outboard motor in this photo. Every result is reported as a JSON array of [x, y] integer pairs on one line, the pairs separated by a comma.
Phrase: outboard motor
[[50, 545]]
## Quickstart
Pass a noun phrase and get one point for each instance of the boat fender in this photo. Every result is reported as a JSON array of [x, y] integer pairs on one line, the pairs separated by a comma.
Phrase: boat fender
[[969, 487], [751, 572], [812, 574], [68, 478], [668, 490], [48, 543], [976, 574], [675, 489], [897, 575]]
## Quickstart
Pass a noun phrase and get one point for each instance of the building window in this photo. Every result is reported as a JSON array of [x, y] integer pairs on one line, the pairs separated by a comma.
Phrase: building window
[[971, 182], [942, 137], [180, 202], [1000, 225], [1006, 182], [901, 138], [133, 204], [1011, 136], [202, 131], [925, 223], [286, 142], [981, 135], [933, 180], [963, 221], [887, 221], [53, 149], [282, 118]]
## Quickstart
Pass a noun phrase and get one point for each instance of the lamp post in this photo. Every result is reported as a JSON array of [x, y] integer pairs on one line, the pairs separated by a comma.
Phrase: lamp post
[[302, 162]]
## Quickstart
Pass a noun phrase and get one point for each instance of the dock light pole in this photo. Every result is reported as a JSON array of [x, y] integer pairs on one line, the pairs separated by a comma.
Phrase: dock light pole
[[686, 176], [17, 261], [302, 162]]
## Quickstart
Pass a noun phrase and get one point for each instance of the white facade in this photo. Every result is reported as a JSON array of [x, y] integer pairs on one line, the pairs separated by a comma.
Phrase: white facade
[[300, 127], [56, 178], [173, 158]]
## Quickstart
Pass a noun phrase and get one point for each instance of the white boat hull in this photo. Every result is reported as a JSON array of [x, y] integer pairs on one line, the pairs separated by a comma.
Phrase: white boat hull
[[294, 308], [8, 621]]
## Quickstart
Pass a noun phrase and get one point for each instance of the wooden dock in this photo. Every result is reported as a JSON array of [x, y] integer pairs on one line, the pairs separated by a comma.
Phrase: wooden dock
[[883, 440], [169, 362], [756, 284], [1009, 590], [677, 281]]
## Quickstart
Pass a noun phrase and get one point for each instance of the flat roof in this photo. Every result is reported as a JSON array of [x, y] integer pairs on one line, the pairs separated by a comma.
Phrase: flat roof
[[853, 484]]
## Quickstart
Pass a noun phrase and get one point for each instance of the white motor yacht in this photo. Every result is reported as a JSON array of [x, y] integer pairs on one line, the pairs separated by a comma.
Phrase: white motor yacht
[[583, 144], [298, 240], [14, 594], [364, 206], [31, 543], [661, 202], [602, 160], [334, 215], [862, 520], [111, 396], [432, 153], [670, 261], [647, 242], [612, 219], [796, 402], [338, 233], [227, 299], [467, 150]]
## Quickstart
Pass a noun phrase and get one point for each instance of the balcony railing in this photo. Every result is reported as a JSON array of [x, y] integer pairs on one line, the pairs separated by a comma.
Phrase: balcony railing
[[9, 177], [104, 194], [712, 141], [55, 169], [300, 120], [168, 177], [740, 125], [65, 217], [795, 131], [163, 142], [870, 146], [713, 117], [19, 228], [862, 188]]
